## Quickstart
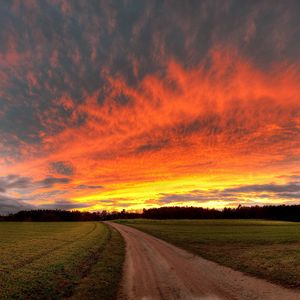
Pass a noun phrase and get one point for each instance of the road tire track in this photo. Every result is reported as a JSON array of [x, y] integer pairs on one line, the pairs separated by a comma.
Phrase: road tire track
[[42, 254]]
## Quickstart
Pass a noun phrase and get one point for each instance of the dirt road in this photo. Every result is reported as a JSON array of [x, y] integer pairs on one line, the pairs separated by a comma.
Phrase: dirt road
[[155, 269]]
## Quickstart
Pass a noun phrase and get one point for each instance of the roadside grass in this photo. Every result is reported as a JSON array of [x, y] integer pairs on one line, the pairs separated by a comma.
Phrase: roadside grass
[[50, 260], [106, 273], [266, 249]]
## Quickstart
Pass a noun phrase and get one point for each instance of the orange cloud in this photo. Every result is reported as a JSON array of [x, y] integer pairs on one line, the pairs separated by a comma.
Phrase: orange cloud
[[206, 127]]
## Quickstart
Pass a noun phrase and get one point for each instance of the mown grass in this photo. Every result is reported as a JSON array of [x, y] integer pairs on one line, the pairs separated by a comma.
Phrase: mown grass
[[52, 260], [267, 249]]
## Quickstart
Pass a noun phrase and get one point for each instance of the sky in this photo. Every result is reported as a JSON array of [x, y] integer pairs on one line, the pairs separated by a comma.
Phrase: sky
[[131, 104]]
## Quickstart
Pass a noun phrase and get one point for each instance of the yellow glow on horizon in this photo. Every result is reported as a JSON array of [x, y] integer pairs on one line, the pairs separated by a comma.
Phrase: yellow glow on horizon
[[147, 194]]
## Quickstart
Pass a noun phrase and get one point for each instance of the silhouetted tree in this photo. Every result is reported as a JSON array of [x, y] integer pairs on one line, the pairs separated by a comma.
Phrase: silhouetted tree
[[270, 212]]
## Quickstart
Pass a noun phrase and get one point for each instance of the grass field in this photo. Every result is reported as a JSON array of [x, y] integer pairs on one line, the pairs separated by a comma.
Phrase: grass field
[[57, 260], [267, 249]]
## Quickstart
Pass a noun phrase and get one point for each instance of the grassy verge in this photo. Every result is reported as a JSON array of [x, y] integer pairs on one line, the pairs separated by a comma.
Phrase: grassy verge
[[50, 260], [267, 249], [102, 282]]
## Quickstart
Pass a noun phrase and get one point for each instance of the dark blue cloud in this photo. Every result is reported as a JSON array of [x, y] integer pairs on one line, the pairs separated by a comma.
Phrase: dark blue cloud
[[290, 190], [290, 187], [51, 181], [62, 168], [63, 204], [9, 205], [52, 49], [14, 182], [89, 187]]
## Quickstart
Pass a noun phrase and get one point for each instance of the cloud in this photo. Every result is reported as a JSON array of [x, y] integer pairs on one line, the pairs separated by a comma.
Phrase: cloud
[[145, 91], [272, 187], [87, 186], [239, 194], [290, 195], [293, 177], [9, 205], [62, 168], [24, 185], [194, 196], [14, 182], [49, 182], [90, 37], [64, 205], [20, 193], [158, 145]]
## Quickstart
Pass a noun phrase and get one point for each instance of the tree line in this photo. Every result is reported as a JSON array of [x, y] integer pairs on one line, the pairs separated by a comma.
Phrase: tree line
[[269, 212]]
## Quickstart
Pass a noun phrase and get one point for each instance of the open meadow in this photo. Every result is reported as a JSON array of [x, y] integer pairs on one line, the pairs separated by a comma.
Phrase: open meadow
[[266, 249], [59, 259]]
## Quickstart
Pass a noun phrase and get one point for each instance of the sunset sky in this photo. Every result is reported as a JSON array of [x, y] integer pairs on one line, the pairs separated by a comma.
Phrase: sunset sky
[[130, 104]]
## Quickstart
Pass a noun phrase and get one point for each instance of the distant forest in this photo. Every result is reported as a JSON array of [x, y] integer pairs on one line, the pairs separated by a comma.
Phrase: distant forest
[[280, 212]]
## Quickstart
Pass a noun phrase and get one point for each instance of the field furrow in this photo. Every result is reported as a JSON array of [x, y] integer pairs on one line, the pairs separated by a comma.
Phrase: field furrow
[[50, 259]]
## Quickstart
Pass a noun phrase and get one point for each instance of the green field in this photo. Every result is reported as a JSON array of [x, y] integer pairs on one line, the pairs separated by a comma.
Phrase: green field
[[267, 249], [57, 260]]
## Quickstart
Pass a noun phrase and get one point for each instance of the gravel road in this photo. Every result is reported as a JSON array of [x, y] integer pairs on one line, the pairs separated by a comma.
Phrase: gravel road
[[155, 269]]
